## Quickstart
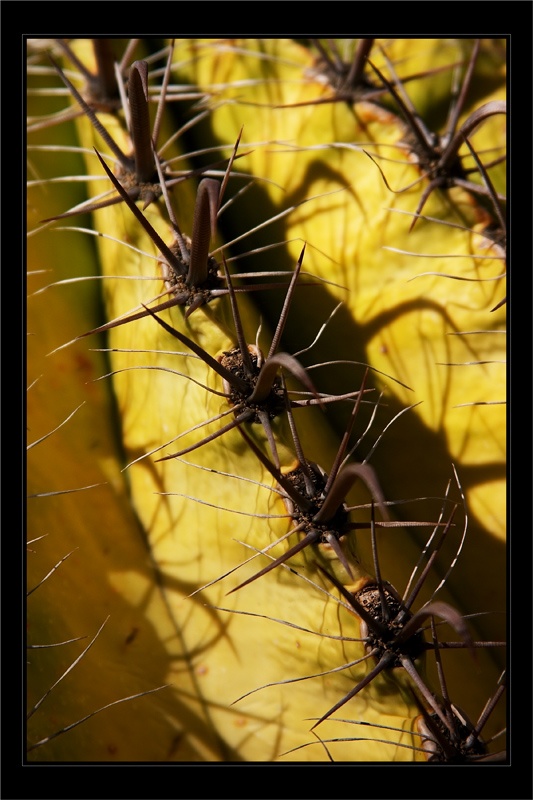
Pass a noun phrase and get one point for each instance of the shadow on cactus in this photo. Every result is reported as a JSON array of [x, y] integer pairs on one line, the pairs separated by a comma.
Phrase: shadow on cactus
[[450, 737], [393, 634], [437, 154], [251, 382]]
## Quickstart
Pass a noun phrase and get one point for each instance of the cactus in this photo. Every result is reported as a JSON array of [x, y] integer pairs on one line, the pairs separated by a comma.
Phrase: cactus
[[267, 408]]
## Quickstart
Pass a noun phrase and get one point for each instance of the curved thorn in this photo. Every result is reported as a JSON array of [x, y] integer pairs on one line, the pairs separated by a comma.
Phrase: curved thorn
[[268, 373], [342, 485], [140, 122], [475, 119], [444, 611], [203, 227]]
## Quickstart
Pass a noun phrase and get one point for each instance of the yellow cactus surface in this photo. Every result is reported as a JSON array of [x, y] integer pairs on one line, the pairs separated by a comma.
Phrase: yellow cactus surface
[[143, 645]]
